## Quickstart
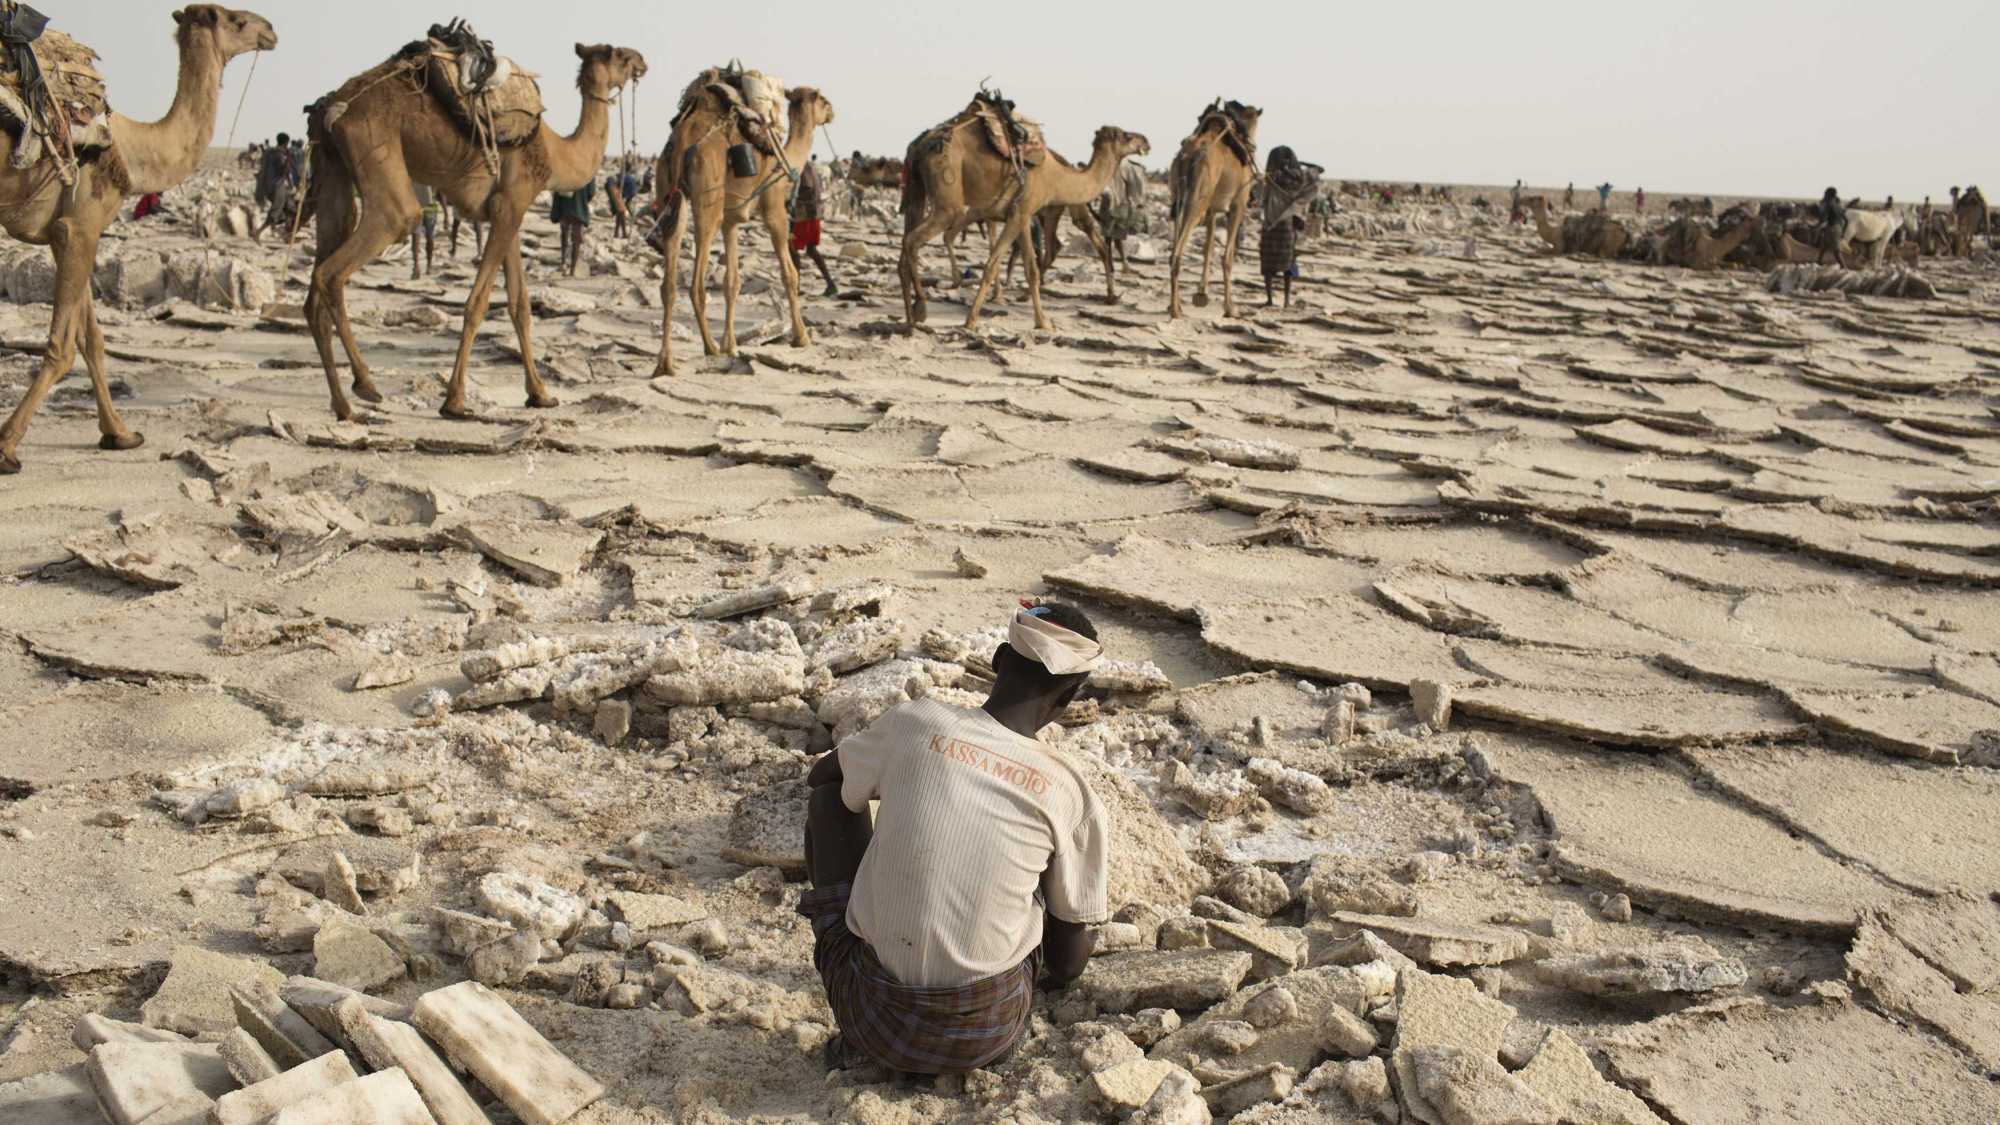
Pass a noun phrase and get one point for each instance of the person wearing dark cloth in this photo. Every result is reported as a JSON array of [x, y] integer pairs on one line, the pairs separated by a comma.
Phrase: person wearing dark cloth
[[806, 223], [978, 874], [1289, 185], [424, 229], [277, 183], [1569, 197], [571, 212]]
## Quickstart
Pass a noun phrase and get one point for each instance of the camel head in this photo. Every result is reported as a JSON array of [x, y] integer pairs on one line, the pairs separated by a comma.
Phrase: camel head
[[614, 66], [1246, 118], [1121, 143], [812, 104], [230, 31]]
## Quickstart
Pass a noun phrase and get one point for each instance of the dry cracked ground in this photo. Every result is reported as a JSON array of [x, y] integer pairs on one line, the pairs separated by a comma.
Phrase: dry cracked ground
[[1546, 690]]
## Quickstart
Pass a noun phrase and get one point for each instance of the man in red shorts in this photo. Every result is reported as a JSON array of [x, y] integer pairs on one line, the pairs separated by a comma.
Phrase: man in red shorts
[[979, 873], [805, 223]]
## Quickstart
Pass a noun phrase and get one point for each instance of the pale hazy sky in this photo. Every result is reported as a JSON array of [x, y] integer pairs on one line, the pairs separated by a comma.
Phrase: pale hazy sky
[[1723, 96]]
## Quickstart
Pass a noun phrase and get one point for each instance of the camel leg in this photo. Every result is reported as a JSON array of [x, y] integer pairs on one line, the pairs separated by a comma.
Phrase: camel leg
[[1087, 223], [506, 231], [781, 241], [326, 301], [110, 427], [1034, 271], [1229, 253], [914, 304], [667, 294], [1183, 234], [1207, 256], [732, 285], [520, 311], [1015, 231], [75, 247], [705, 227]]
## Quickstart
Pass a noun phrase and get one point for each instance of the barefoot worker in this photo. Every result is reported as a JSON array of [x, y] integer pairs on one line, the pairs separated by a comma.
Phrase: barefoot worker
[[983, 866]]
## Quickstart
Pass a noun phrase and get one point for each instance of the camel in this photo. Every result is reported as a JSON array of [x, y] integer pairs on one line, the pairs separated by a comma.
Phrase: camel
[[1211, 176], [1972, 218], [384, 132], [144, 157], [1875, 228], [1592, 233], [695, 164], [1689, 243], [952, 179], [1055, 184]]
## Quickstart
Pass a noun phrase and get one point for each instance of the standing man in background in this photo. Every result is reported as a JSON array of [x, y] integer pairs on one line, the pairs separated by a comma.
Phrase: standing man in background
[[571, 212], [806, 202], [426, 227]]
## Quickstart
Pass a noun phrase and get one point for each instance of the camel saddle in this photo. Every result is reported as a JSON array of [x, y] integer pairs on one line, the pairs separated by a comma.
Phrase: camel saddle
[[1226, 119], [755, 99], [52, 98], [1011, 136], [487, 94]]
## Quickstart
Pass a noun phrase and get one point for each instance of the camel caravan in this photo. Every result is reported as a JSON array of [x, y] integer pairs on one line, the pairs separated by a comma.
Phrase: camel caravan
[[1771, 236], [447, 113]]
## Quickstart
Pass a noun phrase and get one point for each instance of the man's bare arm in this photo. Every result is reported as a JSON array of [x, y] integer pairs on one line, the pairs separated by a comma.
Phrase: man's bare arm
[[1065, 951]]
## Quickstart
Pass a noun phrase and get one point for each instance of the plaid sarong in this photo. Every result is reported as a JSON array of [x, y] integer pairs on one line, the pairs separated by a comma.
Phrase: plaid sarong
[[906, 1028]]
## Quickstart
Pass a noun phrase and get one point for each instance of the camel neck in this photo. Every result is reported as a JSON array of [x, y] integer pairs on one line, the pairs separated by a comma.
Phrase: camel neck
[[798, 145], [160, 154], [574, 160], [1082, 185]]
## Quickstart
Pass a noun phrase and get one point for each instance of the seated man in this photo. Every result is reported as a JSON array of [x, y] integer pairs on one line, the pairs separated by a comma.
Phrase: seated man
[[982, 868]]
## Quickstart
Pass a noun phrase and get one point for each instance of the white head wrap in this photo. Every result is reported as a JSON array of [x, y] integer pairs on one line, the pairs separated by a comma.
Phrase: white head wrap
[[1062, 651]]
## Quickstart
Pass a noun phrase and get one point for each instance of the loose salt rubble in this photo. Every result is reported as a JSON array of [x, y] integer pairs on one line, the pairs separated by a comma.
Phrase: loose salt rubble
[[789, 588], [256, 1103], [158, 1083], [1297, 790]]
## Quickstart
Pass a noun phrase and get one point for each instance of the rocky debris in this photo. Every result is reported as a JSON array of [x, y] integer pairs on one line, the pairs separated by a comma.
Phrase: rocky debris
[[1176, 1101], [1274, 950], [1257, 890], [545, 552], [1616, 908], [612, 721], [789, 588], [1335, 884], [391, 1045], [767, 828], [1129, 1085], [1440, 1011], [482, 1034], [1682, 966], [1233, 1095], [689, 675], [1438, 942], [347, 953], [1797, 278], [1432, 702], [169, 1083], [253, 1104], [386, 1097], [1187, 980], [1563, 1075], [1304, 793], [194, 999], [529, 904], [1213, 796], [1463, 1088], [648, 914], [1296, 1019]]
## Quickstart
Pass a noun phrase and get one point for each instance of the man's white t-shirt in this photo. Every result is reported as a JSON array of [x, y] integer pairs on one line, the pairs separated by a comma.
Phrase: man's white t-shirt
[[979, 830]]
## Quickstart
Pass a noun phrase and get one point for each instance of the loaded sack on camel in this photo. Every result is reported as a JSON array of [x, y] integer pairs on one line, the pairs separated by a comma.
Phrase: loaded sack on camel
[[495, 101], [751, 101], [1013, 138], [52, 98], [1227, 121]]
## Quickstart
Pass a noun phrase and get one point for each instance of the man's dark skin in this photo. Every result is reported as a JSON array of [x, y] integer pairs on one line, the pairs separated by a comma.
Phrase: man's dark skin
[[1025, 699]]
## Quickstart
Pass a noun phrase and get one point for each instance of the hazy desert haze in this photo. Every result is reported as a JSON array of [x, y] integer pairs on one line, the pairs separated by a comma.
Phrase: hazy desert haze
[[1703, 95]]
